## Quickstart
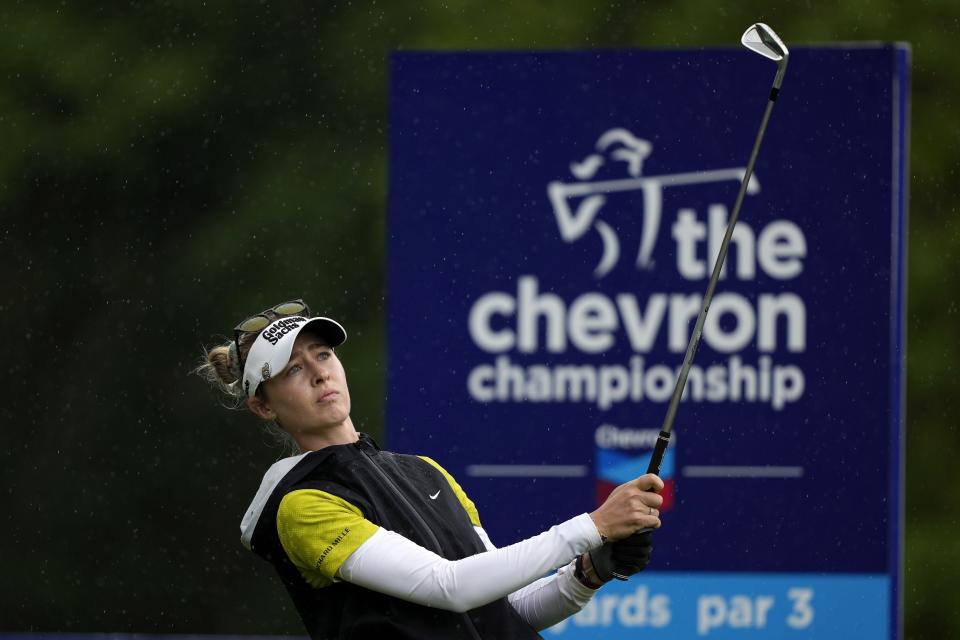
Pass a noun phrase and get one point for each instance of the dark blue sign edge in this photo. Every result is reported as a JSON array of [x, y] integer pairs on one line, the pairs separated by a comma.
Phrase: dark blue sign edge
[[898, 342]]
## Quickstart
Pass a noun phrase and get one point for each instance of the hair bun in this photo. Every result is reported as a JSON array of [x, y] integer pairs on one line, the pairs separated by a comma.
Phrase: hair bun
[[219, 359]]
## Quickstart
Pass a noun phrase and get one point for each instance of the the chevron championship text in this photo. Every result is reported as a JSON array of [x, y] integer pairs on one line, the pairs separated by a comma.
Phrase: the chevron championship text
[[541, 347]]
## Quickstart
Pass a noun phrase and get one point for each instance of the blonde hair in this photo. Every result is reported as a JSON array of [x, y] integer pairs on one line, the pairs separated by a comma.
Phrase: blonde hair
[[220, 367]]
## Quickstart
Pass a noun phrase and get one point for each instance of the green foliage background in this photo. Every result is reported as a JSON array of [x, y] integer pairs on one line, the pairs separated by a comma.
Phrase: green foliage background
[[170, 167]]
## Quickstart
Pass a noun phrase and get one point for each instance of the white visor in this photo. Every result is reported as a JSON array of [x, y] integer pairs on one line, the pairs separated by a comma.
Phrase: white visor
[[270, 352]]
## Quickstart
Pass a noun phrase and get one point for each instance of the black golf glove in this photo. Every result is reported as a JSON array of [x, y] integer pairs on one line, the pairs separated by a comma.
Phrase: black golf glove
[[624, 557]]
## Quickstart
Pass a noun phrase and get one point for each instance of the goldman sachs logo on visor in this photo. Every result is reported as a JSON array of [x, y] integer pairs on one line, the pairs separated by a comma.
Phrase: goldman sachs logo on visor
[[756, 335]]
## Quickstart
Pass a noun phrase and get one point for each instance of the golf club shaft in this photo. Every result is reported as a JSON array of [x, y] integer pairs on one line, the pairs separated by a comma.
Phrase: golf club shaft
[[656, 459]]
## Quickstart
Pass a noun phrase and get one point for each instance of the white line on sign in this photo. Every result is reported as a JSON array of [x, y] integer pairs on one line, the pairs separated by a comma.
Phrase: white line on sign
[[695, 471], [528, 470]]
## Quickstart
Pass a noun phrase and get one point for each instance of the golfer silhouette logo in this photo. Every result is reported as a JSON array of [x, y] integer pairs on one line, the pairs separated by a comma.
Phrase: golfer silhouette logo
[[619, 145]]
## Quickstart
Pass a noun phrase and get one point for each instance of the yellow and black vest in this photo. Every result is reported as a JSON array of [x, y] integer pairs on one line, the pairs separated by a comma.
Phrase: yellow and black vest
[[392, 491]]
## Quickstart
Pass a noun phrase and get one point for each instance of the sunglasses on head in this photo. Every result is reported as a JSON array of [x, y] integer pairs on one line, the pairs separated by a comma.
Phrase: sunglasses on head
[[257, 323]]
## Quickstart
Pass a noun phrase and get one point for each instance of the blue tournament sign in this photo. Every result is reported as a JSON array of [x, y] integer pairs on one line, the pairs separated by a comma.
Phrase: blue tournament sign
[[553, 223]]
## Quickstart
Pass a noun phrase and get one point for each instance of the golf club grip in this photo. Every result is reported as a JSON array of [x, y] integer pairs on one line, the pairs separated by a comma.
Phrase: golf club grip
[[656, 459]]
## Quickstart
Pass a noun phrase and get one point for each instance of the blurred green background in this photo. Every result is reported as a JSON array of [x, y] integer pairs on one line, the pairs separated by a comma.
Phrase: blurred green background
[[168, 168]]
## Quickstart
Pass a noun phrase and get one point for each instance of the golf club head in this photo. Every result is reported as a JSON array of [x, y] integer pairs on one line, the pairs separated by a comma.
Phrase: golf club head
[[764, 40]]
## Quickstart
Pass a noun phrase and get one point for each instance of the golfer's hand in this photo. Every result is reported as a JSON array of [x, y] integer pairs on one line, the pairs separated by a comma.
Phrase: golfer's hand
[[630, 507]]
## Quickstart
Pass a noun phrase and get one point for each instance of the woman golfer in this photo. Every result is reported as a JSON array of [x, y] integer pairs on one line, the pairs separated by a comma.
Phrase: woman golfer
[[371, 543]]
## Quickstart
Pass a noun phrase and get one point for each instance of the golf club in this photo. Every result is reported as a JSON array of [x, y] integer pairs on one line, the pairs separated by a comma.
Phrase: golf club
[[761, 39]]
